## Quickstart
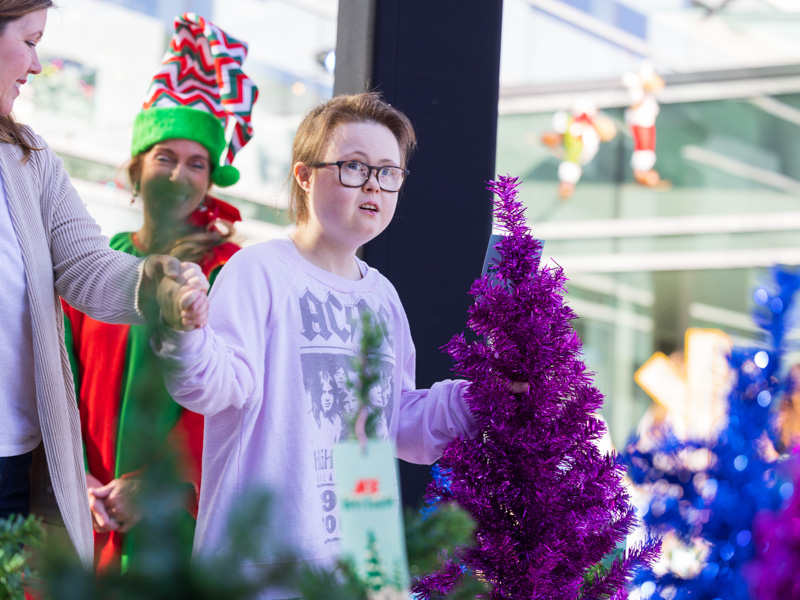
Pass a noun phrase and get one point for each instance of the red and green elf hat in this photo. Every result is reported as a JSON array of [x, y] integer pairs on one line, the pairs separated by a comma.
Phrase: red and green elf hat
[[200, 93]]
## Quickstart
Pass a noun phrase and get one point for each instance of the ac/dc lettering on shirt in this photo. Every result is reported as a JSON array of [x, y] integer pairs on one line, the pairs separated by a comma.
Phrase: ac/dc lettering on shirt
[[330, 317]]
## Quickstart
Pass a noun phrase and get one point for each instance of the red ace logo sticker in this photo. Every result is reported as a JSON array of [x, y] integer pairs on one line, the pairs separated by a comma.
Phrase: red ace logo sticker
[[366, 486]]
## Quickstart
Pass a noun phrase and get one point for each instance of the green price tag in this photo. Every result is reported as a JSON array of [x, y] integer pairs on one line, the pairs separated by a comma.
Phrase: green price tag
[[370, 518]]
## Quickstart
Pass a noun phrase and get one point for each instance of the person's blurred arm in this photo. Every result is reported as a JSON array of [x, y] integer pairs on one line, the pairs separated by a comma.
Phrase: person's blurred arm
[[90, 276]]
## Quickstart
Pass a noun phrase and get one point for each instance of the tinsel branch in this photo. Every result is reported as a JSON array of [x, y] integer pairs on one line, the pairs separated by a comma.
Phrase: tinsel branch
[[774, 571], [547, 504]]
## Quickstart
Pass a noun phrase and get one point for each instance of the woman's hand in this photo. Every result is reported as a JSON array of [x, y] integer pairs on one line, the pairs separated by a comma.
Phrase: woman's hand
[[118, 499], [155, 268], [101, 521], [158, 266]]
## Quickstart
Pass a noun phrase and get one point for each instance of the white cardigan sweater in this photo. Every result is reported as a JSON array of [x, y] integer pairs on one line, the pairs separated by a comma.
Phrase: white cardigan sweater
[[64, 254]]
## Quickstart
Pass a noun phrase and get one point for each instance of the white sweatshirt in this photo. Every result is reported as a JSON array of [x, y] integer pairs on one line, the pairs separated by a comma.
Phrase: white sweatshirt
[[269, 373]]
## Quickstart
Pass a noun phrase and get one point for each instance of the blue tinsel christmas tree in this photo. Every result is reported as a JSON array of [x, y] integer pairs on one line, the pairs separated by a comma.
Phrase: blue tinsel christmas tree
[[716, 502]]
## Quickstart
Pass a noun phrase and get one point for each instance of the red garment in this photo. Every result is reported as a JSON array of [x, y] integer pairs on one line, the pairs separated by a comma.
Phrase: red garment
[[644, 138], [212, 209]]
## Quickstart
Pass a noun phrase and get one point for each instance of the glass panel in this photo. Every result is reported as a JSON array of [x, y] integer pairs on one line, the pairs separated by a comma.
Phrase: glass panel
[[624, 317], [647, 264], [552, 41]]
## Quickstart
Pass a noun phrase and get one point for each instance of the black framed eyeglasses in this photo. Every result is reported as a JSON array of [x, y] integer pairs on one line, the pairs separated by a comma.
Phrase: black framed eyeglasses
[[354, 173]]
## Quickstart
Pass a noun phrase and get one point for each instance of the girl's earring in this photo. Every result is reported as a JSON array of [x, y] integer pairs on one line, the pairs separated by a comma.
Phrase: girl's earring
[[135, 194]]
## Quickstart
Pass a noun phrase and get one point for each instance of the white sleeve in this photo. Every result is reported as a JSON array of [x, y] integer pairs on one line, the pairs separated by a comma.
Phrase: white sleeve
[[222, 365], [430, 419]]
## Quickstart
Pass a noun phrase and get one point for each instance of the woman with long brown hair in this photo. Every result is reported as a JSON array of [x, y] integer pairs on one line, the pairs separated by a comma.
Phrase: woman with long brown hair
[[51, 247]]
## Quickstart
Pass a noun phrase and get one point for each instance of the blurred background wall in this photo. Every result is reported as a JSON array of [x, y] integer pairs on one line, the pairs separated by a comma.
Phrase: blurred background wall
[[644, 264]]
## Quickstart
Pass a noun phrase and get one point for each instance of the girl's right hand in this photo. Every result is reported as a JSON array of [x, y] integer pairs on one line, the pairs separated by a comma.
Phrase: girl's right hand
[[519, 387]]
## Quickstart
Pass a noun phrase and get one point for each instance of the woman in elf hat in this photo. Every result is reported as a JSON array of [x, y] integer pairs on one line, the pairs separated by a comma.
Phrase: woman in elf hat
[[178, 152], [51, 247]]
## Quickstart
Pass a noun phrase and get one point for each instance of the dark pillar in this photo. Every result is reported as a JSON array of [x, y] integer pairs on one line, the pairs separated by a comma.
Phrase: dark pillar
[[354, 41], [438, 61]]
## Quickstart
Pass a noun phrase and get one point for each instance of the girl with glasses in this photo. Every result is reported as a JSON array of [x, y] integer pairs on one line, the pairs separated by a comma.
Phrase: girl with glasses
[[297, 304]]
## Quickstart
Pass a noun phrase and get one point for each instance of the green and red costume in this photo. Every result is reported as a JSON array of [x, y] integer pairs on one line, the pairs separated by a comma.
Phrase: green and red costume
[[113, 366]]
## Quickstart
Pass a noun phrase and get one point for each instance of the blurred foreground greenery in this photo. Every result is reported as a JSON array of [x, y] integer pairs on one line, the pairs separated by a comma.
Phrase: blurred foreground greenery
[[17, 537], [161, 568]]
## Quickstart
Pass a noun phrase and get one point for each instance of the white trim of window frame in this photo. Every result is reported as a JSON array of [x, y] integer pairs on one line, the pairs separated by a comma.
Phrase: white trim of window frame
[[676, 261], [668, 226]]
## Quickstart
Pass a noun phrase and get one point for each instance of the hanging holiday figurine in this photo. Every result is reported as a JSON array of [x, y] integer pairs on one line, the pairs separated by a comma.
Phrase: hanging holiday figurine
[[575, 139], [642, 86]]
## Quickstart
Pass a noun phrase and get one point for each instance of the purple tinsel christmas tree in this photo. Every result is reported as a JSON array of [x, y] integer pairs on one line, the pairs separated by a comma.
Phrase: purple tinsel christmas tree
[[546, 503]]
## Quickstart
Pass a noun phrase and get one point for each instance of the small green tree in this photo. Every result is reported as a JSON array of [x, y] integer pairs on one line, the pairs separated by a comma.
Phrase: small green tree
[[376, 576]]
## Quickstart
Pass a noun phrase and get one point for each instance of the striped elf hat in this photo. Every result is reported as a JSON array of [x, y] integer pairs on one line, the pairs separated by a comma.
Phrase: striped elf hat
[[200, 93]]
